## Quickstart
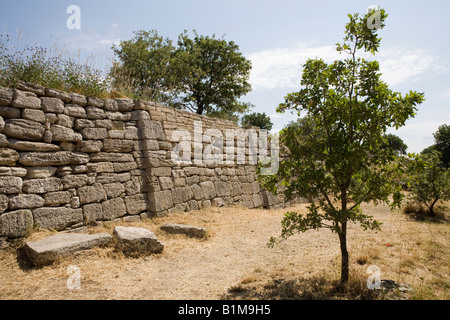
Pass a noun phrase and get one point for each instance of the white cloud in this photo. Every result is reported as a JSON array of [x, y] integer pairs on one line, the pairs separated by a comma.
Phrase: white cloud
[[446, 94], [281, 67]]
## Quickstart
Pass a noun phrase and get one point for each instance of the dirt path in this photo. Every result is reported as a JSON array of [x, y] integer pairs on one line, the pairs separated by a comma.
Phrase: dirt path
[[205, 269]]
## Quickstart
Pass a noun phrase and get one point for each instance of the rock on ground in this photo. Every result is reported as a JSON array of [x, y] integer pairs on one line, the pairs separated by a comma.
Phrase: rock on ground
[[136, 242], [48, 250], [190, 231]]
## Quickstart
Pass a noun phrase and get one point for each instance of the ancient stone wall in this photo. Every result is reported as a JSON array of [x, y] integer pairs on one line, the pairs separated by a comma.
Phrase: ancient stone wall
[[67, 161]]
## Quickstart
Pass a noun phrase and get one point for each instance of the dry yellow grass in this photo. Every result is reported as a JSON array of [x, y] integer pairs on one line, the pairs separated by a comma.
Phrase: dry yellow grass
[[233, 262]]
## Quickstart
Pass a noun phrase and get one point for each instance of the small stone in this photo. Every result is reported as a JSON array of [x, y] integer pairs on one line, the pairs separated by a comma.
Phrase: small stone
[[190, 231]]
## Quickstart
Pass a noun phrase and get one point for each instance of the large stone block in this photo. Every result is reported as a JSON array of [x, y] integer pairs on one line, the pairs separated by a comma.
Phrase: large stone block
[[57, 218], [114, 190], [209, 191], [24, 129], [40, 172], [33, 114], [52, 105], [114, 208], [39, 186], [9, 112], [181, 195], [92, 194], [94, 133], [124, 105], [94, 113], [10, 185], [62, 133], [26, 201], [16, 224], [117, 145], [160, 201], [8, 157], [90, 146], [6, 96], [149, 129], [74, 181], [113, 177], [112, 157], [93, 212], [54, 93], [4, 202], [136, 204], [191, 231], [24, 99], [136, 242], [74, 110], [58, 198], [53, 248], [31, 146], [61, 158]]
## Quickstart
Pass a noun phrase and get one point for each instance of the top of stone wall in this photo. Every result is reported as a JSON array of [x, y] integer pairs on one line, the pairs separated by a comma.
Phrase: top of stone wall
[[158, 111]]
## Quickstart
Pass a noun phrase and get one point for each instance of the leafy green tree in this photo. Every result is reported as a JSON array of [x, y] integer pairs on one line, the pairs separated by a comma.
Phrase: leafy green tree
[[442, 143], [341, 163], [257, 119], [143, 66], [395, 144], [430, 182], [211, 74]]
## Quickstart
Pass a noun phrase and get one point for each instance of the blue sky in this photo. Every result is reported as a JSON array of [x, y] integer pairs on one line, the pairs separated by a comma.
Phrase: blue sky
[[277, 36]]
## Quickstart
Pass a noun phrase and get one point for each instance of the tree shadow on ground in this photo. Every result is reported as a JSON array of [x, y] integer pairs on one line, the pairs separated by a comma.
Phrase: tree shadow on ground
[[312, 288]]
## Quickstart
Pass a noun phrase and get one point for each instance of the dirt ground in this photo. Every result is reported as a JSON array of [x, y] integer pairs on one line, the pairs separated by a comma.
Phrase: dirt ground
[[234, 262]]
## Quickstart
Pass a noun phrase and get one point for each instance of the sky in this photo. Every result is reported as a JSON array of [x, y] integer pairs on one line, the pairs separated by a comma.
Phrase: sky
[[277, 36]]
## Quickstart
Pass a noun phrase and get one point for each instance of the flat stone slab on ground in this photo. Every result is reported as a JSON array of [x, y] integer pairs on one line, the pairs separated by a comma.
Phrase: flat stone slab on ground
[[48, 250], [136, 242], [191, 231]]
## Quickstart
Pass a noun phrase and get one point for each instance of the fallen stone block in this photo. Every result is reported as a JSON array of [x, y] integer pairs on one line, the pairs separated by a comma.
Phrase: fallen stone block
[[48, 250], [191, 231], [136, 242]]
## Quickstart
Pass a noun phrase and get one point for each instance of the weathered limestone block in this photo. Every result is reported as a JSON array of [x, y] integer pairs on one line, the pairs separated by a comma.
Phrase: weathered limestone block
[[94, 133], [58, 198], [78, 99], [131, 133], [75, 110], [33, 114], [95, 102], [101, 167], [118, 116], [25, 99], [2, 126], [165, 183], [105, 123], [90, 146], [192, 180], [39, 186], [113, 177], [257, 200], [74, 181], [133, 186], [9, 112], [65, 121], [217, 202], [94, 113], [18, 172], [114, 190], [136, 242], [6, 96], [53, 248], [92, 194], [57, 218], [209, 191], [31, 146], [124, 166], [114, 208], [110, 105], [117, 145], [236, 189], [149, 129], [3, 140], [136, 204], [111, 157], [61, 158], [24, 129], [160, 201], [222, 188], [198, 192], [4, 202], [64, 96], [81, 124], [16, 224], [124, 105], [8, 157], [26, 201], [10, 185], [62, 133], [181, 195], [67, 146], [93, 212], [52, 105], [191, 231]]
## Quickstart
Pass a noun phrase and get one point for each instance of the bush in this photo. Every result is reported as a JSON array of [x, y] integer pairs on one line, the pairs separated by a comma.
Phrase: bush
[[34, 64]]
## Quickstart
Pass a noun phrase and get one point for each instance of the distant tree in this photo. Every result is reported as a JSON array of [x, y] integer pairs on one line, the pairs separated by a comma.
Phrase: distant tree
[[430, 182], [442, 143], [394, 143], [257, 119], [211, 74], [340, 162]]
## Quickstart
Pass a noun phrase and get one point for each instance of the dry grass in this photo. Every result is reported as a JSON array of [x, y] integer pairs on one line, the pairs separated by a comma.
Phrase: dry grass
[[233, 262]]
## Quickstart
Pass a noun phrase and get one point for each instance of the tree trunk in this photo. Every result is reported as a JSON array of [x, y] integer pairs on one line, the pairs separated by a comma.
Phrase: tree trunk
[[344, 253]]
